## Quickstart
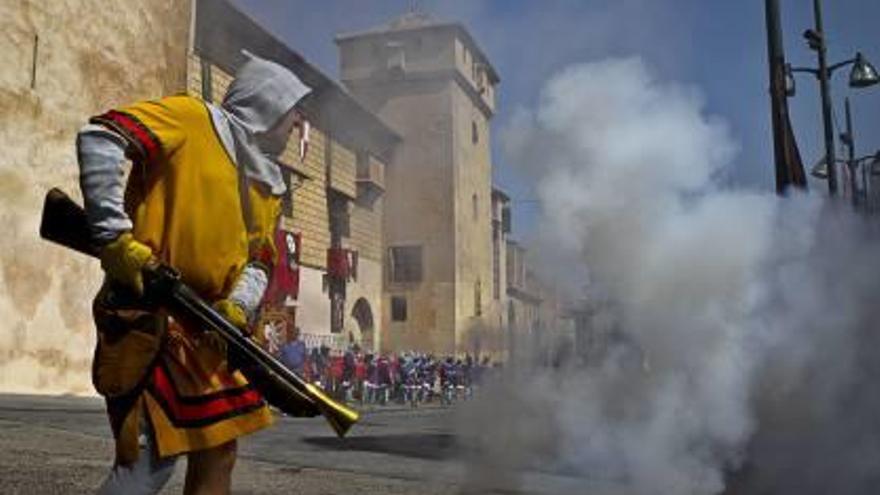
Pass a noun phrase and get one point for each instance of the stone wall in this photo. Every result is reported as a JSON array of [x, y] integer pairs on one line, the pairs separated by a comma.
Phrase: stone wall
[[64, 61], [473, 219]]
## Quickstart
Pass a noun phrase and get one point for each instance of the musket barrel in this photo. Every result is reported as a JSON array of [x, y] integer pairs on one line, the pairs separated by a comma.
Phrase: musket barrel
[[340, 417], [64, 222]]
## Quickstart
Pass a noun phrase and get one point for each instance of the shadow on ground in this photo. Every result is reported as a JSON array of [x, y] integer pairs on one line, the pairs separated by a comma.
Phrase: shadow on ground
[[431, 446]]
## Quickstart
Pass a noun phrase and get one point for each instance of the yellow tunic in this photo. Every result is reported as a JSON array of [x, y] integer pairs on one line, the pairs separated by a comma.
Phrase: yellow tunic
[[184, 201]]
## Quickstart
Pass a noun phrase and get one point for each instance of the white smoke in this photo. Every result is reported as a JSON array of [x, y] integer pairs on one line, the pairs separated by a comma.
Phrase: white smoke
[[718, 291]]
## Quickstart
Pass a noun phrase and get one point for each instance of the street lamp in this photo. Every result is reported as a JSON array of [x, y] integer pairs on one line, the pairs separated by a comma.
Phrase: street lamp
[[870, 169], [863, 75], [875, 164], [868, 164]]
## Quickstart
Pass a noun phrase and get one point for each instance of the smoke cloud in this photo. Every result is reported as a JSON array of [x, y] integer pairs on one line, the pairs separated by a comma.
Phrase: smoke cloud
[[738, 316]]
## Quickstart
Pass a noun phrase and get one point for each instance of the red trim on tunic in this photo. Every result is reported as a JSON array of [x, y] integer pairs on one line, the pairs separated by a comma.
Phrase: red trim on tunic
[[247, 399], [262, 253], [133, 130]]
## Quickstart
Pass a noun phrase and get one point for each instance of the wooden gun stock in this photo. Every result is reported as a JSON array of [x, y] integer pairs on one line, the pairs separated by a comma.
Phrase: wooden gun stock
[[64, 222]]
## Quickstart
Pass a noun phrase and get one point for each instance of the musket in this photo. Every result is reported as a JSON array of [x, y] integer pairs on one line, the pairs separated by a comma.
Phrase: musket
[[64, 222]]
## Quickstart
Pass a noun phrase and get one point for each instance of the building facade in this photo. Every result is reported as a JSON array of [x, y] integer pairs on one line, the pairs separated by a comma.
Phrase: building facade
[[431, 83], [58, 71], [495, 340], [333, 211], [538, 323], [523, 301], [397, 237]]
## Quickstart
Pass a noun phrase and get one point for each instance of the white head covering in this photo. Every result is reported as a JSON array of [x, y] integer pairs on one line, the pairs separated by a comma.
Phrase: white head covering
[[259, 96]]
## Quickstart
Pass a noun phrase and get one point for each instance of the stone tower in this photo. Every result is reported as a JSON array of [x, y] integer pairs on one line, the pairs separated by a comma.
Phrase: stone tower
[[433, 85]]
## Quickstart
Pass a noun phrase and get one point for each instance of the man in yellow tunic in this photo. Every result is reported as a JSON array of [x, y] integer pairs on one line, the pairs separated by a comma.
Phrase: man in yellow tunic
[[203, 196]]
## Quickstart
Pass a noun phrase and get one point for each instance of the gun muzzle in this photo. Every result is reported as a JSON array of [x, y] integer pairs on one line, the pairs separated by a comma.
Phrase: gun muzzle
[[340, 417]]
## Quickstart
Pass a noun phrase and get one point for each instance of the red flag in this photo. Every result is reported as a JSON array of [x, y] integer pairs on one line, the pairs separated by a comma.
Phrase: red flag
[[285, 276]]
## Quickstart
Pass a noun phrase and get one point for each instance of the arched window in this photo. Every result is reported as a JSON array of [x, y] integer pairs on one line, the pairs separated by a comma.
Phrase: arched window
[[363, 315]]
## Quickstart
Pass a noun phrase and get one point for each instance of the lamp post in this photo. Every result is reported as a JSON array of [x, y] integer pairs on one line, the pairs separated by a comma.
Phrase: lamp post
[[870, 169], [848, 139], [821, 47], [863, 75]]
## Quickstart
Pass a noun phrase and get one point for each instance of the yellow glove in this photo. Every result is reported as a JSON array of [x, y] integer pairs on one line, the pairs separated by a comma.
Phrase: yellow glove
[[233, 313], [123, 260]]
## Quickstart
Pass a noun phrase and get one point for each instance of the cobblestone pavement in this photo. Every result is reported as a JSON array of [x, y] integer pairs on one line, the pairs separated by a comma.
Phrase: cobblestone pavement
[[62, 445]]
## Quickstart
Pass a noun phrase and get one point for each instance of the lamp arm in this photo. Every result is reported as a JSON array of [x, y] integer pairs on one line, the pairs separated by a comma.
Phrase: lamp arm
[[830, 69], [863, 159], [808, 70], [836, 66]]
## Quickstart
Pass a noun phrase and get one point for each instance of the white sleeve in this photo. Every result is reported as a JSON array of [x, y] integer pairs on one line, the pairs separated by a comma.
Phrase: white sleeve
[[101, 156], [249, 288]]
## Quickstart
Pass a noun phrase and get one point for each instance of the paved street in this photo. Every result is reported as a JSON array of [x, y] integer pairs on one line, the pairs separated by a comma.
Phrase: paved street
[[61, 445]]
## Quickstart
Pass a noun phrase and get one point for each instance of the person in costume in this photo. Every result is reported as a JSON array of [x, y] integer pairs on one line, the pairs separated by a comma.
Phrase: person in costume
[[203, 196]]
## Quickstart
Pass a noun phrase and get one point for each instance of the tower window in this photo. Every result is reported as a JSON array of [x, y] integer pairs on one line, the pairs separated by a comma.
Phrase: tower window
[[405, 264], [475, 134], [398, 308], [475, 206], [396, 57]]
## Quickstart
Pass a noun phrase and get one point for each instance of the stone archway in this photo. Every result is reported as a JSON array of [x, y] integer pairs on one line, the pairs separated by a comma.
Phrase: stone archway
[[363, 315]]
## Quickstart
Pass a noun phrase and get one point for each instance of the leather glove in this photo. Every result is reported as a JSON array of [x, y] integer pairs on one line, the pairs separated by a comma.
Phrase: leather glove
[[124, 259]]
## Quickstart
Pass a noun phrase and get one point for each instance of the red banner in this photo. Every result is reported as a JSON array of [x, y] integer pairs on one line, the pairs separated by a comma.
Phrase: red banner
[[285, 276], [342, 263], [337, 263]]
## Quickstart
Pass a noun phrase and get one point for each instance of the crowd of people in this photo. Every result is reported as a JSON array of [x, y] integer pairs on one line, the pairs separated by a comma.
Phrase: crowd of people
[[363, 377]]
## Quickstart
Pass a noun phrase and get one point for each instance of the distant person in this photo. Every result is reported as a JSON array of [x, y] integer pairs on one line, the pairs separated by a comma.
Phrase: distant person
[[293, 353], [335, 369], [322, 364], [385, 379], [360, 374], [349, 364], [314, 368], [370, 378]]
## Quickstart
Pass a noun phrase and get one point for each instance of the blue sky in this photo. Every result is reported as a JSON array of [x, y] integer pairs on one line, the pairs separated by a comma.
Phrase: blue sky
[[717, 46]]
